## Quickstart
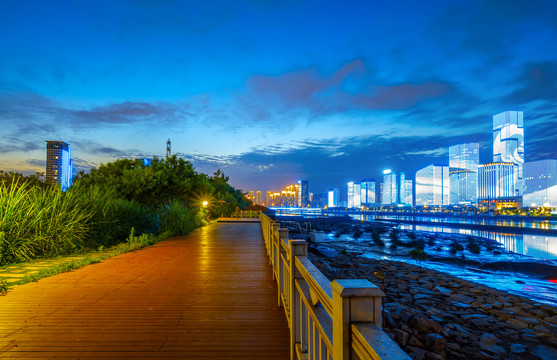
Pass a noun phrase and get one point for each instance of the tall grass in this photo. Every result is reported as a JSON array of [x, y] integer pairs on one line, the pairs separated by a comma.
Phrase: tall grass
[[43, 222], [37, 222]]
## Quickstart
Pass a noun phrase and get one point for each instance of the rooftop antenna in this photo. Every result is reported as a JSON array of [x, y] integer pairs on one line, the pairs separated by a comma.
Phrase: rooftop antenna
[[167, 148]]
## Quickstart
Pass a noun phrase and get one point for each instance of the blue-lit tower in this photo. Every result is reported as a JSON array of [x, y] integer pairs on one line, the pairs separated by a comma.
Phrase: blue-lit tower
[[58, 164]]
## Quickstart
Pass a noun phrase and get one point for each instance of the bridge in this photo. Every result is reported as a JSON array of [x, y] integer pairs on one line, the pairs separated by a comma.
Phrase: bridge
[[208, 295]]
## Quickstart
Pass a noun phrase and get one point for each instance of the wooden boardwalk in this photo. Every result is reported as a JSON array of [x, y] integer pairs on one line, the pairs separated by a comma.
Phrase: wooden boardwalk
[[208, 295]]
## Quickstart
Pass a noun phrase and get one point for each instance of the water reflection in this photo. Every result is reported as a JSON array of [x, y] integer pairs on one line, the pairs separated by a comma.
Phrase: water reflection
[[538, 246]]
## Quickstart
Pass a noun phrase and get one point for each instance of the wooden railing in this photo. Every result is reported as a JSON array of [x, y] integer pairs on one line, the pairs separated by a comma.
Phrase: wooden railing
[[336, 320]]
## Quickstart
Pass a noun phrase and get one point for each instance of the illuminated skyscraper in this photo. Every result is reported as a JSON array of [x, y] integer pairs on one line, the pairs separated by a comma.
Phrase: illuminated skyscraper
[[258, 198], [540, 183], [464, 160], [58, 164], [496, 181], [508, 143], [393, 188], [432, 185], [350, 194], [407, 193], [303, 194], [368, 192], [357, 195], [333, 197]]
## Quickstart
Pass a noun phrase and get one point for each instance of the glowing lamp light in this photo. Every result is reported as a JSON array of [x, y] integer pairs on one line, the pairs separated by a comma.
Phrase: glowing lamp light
[[205, 203]]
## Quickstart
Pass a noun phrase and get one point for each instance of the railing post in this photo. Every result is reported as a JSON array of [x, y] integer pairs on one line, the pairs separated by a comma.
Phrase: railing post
[[274, 242], [355, 300], [283, 236], [297, 248]]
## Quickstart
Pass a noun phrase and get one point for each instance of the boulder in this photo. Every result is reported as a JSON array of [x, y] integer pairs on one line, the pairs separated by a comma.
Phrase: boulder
[[516, 324], [488, 343], [419, 323], [545, 352], [415, 353], [414, 342], [435, 342], [401, 337]]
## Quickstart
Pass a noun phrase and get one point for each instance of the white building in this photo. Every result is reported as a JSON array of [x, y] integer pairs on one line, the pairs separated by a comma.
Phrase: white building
[[333, 199], [497, 181], [464, 160], [540, 183], [508, 143], [432, 186]]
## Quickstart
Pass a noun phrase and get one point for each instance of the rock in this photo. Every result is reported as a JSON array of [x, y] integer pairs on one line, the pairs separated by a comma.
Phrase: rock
[[433, 356], [486, 307], [460, 305], [435, 326], [414, 342], [405, 315], [421, 296], [443, 290], [551, 319], [480, 323], [453, 347], [401, 337], [518, 349], [528, 320], [415, 353], [545, 352], [542, 329], [419, 323], [497, 305], [435, 342], [488, 343], [516, 324]]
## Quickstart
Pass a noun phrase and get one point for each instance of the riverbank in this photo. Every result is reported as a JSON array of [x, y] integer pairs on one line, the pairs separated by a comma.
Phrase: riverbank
[[432, 315]]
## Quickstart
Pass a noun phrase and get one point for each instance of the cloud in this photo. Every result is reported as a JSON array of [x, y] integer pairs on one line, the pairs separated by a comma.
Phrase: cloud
[[351, 87], [537, 81]]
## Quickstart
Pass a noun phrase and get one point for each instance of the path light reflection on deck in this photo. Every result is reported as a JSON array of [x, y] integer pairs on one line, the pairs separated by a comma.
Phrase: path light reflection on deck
[[204, 257]]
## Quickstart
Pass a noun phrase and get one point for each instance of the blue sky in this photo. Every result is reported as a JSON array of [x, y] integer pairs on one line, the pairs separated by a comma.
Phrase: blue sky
[[273, 91]]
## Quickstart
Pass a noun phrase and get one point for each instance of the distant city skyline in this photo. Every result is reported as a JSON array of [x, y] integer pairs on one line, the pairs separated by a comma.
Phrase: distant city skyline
[[274, 92]]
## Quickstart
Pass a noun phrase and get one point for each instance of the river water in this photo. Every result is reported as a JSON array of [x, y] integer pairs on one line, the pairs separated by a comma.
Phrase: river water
[[534, 245]]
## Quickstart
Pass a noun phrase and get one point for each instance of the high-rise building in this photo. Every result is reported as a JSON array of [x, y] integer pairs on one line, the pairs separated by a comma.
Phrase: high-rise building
[[303, 194], [350, 194], [497, 181], [251, 196], [508, 143], [464, 160], [368, 192], [59, 164], [393, 188], [407, 193], [333, 197], [258, 198], [432, 185], [357, 195], [540, 183]]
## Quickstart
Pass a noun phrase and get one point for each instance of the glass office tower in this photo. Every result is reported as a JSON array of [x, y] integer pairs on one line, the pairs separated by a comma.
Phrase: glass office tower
[[508, 143], [540, 183], [393, 188], [496, 181], [333, 198], [464, 160], [432, 185], [59, 164]]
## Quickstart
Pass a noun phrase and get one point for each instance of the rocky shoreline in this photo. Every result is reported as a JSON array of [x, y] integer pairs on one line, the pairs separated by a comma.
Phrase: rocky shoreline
[[433, 315]]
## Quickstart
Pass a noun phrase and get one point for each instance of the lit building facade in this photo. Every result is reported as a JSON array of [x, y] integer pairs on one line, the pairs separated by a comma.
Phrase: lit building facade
[[333, 198], [496, 181], [508, 143], [394, 190], [464, 160], [350, 194], [258, 198], [432, 186], [540, 183], [303, 194], [407, 193], [59, 164], [367, 187]]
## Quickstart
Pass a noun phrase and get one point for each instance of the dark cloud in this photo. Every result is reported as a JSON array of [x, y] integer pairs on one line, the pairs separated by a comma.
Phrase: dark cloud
[[36, 162], [351, 87], [537, 81]]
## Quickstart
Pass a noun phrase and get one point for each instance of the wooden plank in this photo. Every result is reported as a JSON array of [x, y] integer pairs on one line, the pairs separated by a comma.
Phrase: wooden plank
[[207, 295]]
